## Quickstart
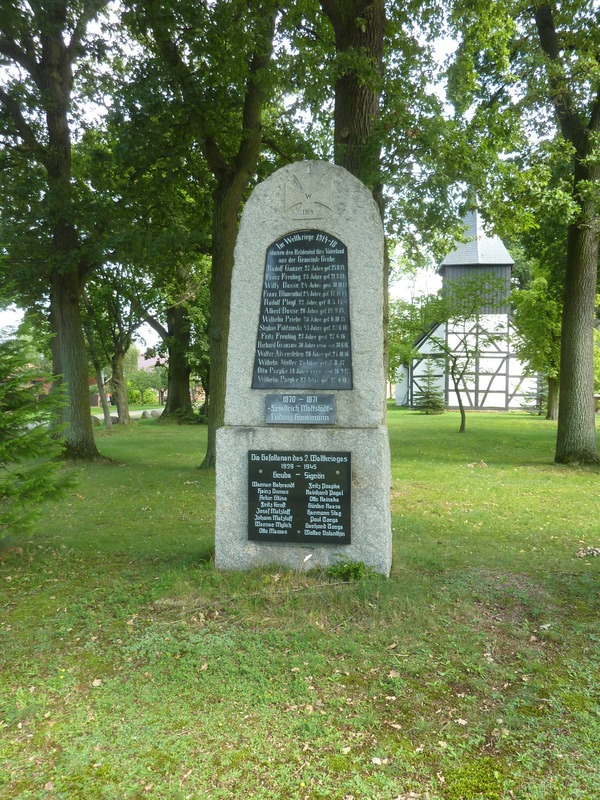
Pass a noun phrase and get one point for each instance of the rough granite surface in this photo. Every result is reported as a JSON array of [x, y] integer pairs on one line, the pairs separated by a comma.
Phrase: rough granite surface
[[345, 209]]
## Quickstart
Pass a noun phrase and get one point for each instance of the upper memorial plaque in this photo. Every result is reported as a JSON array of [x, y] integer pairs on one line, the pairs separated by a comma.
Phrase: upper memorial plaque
[[303, 337]]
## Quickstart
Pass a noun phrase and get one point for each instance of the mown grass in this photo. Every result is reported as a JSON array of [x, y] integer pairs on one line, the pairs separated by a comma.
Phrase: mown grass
[[132, 669]]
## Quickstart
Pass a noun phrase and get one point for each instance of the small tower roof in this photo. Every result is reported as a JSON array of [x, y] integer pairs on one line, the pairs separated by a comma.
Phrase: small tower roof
[[479, 248]]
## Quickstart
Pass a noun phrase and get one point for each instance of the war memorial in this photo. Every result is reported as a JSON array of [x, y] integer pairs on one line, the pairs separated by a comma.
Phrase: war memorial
[[303, 465]]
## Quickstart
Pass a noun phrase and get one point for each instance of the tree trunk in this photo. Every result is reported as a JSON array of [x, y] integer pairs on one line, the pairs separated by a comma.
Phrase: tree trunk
[[55, 77], [552, 412], [178, 344], [93, 350], [456, 383], [71, 355], [227, 201], [232, 174], [576, 435], [102, 396], [69, 352], [359, 27], [120, 389]]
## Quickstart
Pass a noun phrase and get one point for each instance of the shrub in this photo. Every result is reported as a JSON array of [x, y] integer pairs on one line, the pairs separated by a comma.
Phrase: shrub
[[27, 440], [430, 399]]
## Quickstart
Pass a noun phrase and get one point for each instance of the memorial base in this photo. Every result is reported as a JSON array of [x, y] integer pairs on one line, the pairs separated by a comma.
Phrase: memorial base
[[369, 503]]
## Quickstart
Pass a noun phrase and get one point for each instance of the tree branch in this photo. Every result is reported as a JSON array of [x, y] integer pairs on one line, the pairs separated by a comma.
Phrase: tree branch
[[24, 130], [154, 323], [595, 115], [253, 100], [11, 50], [562, 99], [91, 9], [183, 77], [214, 158], [269, 142]]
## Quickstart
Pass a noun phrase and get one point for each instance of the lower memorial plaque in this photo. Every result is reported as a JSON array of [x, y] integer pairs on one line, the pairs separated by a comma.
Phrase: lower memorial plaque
[[297, 496]]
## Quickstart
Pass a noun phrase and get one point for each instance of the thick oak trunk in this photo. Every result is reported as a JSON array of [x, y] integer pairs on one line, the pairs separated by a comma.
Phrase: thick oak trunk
[[70, 353], [232, 175], [359, 32], [178, 344], [359, 27], [576, 436], [55, 78], [227, 201], [232, 180]]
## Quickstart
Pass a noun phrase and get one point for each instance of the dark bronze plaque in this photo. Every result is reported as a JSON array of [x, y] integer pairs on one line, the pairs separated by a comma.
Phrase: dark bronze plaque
[[298, 496], [304, 327], [300, 409]]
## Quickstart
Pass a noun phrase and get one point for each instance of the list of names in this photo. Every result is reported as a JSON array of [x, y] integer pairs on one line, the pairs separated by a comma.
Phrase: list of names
[[303, 337], [298, 496]]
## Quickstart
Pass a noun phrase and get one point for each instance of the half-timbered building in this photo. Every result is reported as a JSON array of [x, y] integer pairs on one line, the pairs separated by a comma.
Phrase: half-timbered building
[[494, 377]]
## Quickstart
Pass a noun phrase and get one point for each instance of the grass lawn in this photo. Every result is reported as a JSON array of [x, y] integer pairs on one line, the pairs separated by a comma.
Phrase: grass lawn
[[130, 668]]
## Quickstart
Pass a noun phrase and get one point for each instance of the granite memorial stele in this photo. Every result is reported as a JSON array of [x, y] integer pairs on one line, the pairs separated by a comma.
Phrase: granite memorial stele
[[303, 465]]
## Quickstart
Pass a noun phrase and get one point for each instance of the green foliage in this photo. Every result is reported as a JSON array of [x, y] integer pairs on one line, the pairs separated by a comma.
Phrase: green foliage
[[537, 318], [535, 403], [528, 77], [143, 384], [27, 440], [418, 143], [404, 326], [130, 360], [501, 77], [407, 322], [197, 416], [346, 570], [135, 396], [476, 779]]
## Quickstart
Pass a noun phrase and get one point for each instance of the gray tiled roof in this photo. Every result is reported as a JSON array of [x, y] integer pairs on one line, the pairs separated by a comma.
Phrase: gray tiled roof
[[479, 247]]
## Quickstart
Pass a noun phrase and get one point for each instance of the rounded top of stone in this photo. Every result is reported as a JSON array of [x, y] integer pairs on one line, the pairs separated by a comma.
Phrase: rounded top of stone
[[314, 190], [314, 167]]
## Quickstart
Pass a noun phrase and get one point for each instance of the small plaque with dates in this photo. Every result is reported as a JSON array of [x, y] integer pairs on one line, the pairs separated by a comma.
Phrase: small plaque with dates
[[298, 496], [300, 409]]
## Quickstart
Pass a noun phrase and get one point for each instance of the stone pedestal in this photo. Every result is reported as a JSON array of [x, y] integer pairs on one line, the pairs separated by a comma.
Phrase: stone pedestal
[[370, 507]]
